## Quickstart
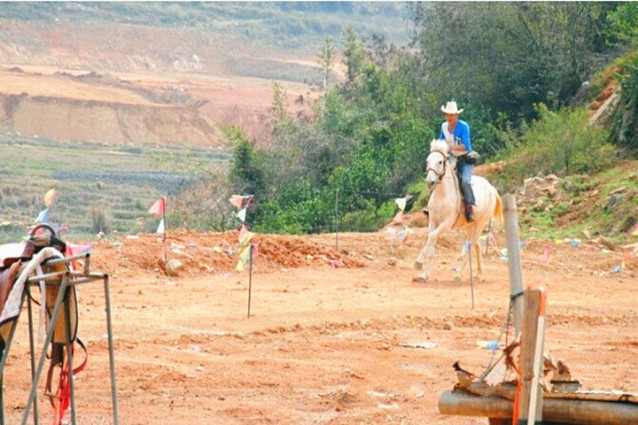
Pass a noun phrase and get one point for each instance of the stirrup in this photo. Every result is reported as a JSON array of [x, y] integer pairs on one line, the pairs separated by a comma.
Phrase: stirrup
[[425, 212]]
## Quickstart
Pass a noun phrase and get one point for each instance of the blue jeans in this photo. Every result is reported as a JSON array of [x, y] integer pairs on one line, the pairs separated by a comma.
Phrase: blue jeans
[[465, 170]]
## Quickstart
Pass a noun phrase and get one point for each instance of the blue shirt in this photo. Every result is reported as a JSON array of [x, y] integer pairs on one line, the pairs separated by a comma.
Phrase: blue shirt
[[461, 134]]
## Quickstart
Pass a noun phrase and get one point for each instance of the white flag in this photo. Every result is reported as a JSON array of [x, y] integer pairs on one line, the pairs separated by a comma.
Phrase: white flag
[[242, 215], [160, 228]]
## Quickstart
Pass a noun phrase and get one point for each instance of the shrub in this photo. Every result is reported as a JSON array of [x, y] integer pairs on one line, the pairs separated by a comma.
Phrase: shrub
[[560, 142], [101, 218]]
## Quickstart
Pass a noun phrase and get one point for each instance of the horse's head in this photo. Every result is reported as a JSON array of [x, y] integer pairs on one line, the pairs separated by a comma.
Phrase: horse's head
[[436, 163]]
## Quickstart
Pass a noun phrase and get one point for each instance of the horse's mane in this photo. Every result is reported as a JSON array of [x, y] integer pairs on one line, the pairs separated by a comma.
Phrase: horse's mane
[[440, 145]]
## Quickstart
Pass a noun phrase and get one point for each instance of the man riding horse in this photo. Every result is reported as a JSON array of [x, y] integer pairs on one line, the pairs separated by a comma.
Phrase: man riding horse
[[456, 133]]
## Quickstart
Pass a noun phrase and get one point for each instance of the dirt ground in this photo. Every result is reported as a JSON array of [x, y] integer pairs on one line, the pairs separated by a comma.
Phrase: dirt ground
[[335, 334]]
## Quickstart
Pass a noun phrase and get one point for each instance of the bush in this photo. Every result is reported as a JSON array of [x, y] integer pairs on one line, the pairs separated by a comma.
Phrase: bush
[[101, 218], [625, 126], [560, 143]]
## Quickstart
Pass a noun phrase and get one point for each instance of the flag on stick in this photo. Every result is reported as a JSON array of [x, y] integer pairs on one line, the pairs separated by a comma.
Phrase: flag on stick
[[159, 208]]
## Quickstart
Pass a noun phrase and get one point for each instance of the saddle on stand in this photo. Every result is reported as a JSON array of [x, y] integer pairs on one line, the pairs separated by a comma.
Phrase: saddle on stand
[[14, 270]]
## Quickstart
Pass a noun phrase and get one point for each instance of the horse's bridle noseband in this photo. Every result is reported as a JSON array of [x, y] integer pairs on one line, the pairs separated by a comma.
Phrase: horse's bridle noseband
[[428, 169]]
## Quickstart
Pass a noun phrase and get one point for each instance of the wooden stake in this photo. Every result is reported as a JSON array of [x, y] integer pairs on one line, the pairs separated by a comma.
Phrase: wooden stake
[[250, 276], [469, 252], [536, 397], [529, 348], [514, 259]]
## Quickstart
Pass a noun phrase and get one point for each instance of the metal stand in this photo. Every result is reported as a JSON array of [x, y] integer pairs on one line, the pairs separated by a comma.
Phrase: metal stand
[[66, 280]]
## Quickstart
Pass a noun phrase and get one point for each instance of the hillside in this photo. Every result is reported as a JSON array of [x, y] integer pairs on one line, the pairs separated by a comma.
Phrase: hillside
[[163, 73], [111, 87]]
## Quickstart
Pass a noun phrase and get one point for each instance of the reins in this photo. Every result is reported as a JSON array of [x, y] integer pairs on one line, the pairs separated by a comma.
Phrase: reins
[[439, 175]]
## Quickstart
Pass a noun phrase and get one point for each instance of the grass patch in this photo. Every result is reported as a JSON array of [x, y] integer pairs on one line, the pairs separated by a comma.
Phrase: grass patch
[[602, 204], [97, 185]]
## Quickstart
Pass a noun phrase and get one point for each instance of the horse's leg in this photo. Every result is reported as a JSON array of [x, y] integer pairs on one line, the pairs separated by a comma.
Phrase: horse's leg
[[429, 250]]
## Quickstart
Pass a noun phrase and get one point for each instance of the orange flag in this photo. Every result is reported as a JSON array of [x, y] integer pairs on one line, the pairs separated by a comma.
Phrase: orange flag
[[49, 198]]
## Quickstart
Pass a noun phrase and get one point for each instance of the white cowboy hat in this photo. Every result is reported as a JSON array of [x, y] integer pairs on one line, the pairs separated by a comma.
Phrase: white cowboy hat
[[451, 108]]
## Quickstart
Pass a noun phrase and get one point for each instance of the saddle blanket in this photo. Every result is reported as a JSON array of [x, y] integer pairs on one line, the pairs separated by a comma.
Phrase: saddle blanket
[[12, 306]]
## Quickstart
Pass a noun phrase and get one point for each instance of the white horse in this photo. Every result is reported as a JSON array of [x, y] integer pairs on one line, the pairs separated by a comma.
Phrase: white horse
[[445, 207]]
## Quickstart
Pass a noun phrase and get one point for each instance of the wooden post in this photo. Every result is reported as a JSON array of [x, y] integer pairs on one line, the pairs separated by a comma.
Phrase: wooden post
[[250, 276], [514, 259], [536, 396], [530, 407], [469, 253]]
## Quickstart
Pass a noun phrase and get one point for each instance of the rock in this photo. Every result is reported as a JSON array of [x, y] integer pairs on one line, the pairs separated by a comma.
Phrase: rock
[[173, 266], [612, 202]]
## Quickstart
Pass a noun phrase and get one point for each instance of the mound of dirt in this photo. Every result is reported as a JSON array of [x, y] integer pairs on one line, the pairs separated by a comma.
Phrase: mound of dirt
[[215, 253]]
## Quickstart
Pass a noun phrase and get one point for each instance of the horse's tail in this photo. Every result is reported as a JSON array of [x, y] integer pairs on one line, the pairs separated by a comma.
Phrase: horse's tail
[[498, 208]]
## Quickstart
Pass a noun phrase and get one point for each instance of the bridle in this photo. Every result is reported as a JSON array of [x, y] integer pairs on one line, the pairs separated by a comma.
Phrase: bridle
[[439, 175]]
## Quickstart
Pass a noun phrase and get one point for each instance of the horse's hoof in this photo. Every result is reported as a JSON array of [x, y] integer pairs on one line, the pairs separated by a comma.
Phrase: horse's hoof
[[419, 279], [418, 265]]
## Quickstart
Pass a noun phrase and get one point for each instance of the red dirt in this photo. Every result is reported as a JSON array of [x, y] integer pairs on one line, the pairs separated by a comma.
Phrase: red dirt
[[325, 343]]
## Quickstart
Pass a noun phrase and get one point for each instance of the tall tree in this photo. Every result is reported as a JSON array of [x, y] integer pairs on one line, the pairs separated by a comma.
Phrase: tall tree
[[506, 56], [325, 59]]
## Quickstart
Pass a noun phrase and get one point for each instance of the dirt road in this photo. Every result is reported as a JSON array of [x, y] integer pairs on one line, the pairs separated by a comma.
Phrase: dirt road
[[334, 337]]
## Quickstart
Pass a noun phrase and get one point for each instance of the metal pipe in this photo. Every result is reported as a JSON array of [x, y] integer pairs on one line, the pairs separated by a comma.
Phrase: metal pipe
[[109, 329], [555, 410], [69, 350], [31, 348], [43, 355]]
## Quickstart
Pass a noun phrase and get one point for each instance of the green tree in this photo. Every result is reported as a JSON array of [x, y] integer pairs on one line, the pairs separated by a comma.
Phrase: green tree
[[325, 59], [622, 23], [279, 105], [245, 174], [624, 131], [353, 56], [505, 57]]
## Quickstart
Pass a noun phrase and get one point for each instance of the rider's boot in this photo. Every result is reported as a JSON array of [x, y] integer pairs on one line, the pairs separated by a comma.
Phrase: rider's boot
[[469, 216], [468, 196]]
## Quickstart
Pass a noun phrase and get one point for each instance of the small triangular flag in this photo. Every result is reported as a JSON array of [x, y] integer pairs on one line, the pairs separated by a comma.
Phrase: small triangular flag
[[401, 203], [160, 228], [236, 201], [158, 207], [43, 217], [242, 215], [49, 198]]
